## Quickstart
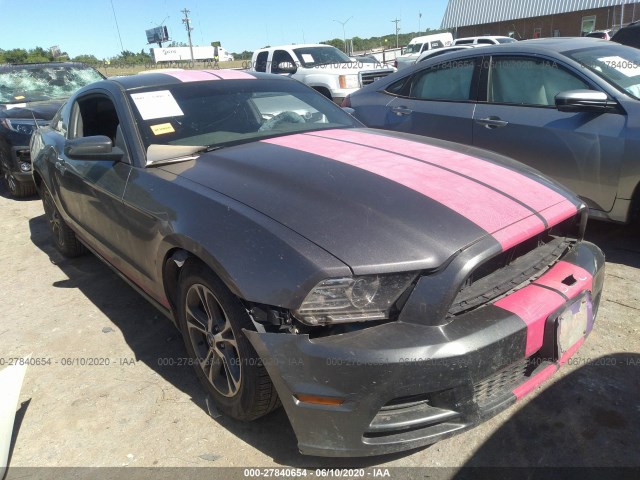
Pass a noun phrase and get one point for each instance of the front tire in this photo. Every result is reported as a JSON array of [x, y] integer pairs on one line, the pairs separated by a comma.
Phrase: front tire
[[18, 189], [64, 238], [211, 320]]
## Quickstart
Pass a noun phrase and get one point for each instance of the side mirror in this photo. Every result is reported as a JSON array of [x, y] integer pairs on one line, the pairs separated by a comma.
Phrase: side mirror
[[286, 67], [98, 147], [585, 101]]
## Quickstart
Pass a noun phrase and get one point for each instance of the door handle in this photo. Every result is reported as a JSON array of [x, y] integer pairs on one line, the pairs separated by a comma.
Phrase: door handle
[[60, 165], [401, 111], [492, 122]]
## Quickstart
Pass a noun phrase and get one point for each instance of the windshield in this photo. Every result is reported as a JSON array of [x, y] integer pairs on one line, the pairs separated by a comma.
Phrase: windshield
[[220, 113], [506, 40], [617, 64], [413, 48], [316, 56], [31, 83]]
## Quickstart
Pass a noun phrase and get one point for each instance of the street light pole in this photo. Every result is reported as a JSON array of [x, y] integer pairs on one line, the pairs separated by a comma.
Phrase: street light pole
[[344, 34]]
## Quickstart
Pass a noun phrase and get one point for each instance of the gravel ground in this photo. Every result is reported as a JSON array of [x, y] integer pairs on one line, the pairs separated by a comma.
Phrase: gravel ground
[[138, 411]]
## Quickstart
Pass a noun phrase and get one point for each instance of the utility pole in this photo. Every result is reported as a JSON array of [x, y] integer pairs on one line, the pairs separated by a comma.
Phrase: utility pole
[[396, 21], [419, 18], [187, 25]]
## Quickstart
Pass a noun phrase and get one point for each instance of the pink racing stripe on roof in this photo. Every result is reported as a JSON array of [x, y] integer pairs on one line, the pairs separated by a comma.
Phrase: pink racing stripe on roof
[[483, 206], [232, 74], [191, 75], [519, 186]]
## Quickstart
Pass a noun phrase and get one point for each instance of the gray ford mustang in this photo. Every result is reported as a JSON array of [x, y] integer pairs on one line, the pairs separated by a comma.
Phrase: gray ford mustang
[[388, 290]]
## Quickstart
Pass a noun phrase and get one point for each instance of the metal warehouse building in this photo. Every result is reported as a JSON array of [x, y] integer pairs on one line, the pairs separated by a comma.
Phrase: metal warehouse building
[[524, 19]]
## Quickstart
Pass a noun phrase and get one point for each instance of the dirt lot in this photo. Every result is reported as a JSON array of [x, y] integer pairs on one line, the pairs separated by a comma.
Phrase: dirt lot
[[137, 411]]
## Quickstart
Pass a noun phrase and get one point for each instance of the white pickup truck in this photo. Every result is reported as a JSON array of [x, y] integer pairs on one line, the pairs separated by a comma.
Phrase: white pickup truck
[[419, 45], [322, 67]]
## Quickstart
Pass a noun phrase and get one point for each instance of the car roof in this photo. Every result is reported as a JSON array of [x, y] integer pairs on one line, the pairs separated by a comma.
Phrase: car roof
[[297, 45], [544, 45], [145, 80]]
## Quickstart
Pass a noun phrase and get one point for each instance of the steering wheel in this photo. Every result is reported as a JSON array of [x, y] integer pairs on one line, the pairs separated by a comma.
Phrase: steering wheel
[[281, 118]]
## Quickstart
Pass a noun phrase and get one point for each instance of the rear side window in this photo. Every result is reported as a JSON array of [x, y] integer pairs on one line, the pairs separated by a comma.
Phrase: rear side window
[[529, 81], [261, 62], [463, 42], [486, 41], [446, 81]]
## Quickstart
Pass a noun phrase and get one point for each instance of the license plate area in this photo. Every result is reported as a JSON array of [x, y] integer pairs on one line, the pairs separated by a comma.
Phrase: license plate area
[[574, 322]]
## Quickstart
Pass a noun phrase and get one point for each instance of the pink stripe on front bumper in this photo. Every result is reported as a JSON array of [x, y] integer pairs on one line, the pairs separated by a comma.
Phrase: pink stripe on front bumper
[[526, 190], [567, 272], [535, 381], [483, 206], [533, 305]]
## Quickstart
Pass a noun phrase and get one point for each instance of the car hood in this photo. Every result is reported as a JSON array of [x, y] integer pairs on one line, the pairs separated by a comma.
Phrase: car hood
[[44, 110], [381, 201]]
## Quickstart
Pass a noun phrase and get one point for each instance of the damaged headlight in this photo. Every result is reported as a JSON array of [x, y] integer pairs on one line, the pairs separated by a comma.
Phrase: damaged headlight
[[353, 299]]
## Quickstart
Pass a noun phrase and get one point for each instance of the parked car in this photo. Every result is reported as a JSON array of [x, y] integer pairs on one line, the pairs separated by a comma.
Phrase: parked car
[[601, 34], [628, 35], [322, 67], [440, 51], [389, 290], [420, 45], [484, 40], [30, 94], [567, 107]]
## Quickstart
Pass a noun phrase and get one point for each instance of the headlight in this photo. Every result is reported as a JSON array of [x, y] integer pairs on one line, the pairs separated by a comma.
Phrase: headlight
[[353, 299], [23, 126], [349, 81]]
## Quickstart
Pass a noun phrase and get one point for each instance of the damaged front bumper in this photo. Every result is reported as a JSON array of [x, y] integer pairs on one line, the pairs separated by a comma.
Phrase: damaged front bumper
[[402, 385]]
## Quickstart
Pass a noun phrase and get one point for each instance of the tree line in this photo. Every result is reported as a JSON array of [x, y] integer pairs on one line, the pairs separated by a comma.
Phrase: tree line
[[39, 54]]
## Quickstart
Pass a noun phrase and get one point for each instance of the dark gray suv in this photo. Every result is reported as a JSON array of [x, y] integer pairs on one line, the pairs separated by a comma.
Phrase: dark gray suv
[[567, 107]]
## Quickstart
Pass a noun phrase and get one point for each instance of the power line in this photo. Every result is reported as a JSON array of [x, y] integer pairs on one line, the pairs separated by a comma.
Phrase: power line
[[117, 27]]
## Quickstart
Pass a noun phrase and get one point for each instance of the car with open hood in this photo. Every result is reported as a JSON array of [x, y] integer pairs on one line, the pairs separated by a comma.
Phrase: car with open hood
[[30, 94], [388, 290]]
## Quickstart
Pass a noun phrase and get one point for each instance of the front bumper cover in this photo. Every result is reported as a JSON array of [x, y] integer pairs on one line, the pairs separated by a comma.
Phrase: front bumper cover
[[407, 385]]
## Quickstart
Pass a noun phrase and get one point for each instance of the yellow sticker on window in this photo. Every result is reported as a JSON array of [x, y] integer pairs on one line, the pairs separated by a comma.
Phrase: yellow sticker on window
[[19, 97], [162, 128]]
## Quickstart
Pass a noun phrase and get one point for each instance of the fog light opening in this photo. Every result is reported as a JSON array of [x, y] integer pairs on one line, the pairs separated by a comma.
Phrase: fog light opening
[[317, 400], [25, 166]]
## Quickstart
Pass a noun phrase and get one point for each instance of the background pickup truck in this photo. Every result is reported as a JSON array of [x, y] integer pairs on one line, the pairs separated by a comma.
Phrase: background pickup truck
[[322, 67]]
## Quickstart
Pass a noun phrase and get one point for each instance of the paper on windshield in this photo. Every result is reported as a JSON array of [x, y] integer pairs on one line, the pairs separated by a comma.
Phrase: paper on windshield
[[158, 104], [307, 58], [624, 66], [162, 128]]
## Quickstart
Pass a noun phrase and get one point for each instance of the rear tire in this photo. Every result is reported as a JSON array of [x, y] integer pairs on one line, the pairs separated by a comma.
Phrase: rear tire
[[211, 320], [64, 238]]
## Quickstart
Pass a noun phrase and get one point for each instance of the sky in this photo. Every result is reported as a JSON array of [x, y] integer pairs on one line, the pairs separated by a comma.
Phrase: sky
[[90, 27]]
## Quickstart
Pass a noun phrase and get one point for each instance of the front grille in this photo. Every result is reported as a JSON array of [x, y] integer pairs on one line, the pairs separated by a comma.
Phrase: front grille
[[367, 78], [498, 384], [514, 267]]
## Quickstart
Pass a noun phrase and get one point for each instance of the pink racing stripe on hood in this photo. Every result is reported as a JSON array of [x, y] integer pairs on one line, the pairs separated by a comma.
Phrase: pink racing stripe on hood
[[519, 186], [482, 205]]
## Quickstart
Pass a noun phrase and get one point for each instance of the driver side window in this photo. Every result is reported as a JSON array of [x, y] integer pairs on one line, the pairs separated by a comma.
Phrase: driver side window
[[280, 56], [96, 115]]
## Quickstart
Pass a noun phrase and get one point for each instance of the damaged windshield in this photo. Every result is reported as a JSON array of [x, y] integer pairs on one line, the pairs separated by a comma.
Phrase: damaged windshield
[[32, 83]]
